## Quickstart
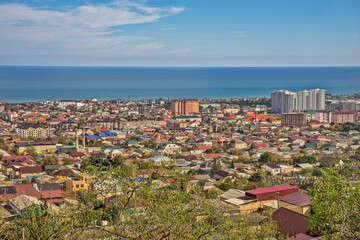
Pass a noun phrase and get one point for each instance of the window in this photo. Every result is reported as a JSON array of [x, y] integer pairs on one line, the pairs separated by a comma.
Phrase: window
[[77, 186], [82, 185]]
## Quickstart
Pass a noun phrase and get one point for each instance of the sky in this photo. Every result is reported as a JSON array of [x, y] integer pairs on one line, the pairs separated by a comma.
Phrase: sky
[[180, 33]]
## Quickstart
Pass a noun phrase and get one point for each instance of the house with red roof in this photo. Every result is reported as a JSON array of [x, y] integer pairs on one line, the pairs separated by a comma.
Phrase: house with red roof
[[28, 171]]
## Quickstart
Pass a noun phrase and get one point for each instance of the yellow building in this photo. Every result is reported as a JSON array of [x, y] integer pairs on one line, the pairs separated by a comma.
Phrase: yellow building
[[238, 144], [80, 182], [39, 147]]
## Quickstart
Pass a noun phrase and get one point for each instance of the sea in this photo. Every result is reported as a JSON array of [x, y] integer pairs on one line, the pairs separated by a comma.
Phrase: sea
[[35, 83]]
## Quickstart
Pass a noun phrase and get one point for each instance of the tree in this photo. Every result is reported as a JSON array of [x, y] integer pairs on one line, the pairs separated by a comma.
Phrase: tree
[[335, 207], [267, 157], [232, 165], [185, 212], [67, 161], [317, 172], [49, 161], [216, 166], [256, 177], [305, 159], [306, 171], [31, 151]]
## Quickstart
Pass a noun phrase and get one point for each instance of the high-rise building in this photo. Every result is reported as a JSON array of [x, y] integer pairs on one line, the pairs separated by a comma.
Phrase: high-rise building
[[283, 101], [293, 119], [184, 106]]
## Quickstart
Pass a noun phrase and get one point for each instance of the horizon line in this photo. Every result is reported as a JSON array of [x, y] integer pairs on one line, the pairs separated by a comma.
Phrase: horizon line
[[140, 66]]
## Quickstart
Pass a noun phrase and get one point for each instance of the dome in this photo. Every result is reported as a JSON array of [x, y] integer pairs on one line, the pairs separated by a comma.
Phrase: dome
[[71, 143]]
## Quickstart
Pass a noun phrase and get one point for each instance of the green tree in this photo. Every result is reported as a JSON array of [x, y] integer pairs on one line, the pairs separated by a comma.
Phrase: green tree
[[67, 161], [216, 166], [185, 212], [318, 172], [267, 157], [305, 159], [335, 207], [49, 161], [256, 177], [31, 151]]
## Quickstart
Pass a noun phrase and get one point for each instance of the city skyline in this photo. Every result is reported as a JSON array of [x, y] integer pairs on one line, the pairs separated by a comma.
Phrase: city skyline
[[180, 33]]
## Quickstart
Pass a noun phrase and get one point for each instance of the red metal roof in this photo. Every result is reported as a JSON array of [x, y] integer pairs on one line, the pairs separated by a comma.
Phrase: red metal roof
[[52, 194], [271, 189]]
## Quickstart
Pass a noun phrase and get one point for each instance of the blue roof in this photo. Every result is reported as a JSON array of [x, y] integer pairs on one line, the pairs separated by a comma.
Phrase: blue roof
[[31, 177], [136, 179], [92, 136], [108, 134], [145, 136]]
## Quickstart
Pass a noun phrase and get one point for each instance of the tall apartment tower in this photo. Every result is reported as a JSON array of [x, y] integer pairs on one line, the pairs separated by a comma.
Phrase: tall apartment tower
[[283, 101], [184, 106]]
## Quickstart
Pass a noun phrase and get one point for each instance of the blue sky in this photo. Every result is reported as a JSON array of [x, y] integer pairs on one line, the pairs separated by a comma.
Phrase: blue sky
[[180, 32]]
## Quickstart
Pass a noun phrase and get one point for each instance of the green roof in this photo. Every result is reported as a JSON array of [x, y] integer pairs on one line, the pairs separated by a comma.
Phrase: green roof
[[310, 146], [305, 165], [131, 142], [329, 146], [186, 117]]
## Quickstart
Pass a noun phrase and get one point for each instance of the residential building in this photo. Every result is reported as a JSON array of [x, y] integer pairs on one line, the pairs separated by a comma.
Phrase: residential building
[[335, 116], [284, 101], [293, 119], [34, 131], [184, 107], [297, 202]]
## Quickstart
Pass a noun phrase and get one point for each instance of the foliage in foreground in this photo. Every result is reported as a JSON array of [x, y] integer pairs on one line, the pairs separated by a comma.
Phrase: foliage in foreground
[[179, 211], [335, 207]]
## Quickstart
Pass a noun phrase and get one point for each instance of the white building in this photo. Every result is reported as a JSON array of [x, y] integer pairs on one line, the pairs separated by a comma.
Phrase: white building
[[284, 101], [65, 103]]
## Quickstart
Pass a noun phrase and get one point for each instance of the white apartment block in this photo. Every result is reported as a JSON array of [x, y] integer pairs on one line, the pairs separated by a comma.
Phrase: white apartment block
[[284, 101]]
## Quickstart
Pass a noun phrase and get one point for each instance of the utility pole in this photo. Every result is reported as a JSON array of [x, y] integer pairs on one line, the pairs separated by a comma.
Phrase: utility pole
[[278, 200]]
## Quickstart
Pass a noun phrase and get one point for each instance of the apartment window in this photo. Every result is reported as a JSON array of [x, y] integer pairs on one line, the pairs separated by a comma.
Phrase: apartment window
[[77, 186], [82, 185]]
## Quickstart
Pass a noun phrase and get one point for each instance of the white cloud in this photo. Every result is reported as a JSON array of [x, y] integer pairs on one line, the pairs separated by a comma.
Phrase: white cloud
[[81, 29], [183, 50]]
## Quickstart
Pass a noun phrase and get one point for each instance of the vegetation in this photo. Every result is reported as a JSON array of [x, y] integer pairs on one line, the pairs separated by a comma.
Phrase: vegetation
[[267, 157], [137, 212], [305, 159], [256, 177], [335, 207], [216, 166]]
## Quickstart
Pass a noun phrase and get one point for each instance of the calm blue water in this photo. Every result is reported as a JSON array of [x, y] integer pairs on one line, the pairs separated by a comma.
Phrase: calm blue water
[[19, 84]]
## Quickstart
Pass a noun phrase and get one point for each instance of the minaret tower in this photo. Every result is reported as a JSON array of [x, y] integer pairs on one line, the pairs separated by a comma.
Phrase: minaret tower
[[84, 139], [76, 140]]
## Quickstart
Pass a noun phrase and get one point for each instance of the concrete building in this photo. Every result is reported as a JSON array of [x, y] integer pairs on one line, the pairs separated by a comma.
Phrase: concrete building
[[184, 106], [65, 103], [342, 117], [335, 116], [34, 131], [293, 119], [283, 101], [347, 105]]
